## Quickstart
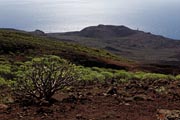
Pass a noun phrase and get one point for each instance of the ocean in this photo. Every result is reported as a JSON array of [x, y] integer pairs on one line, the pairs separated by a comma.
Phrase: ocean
[[160, 17]]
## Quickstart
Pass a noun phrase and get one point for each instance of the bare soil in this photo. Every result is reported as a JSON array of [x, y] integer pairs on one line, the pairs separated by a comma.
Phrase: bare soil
[[133, 100]]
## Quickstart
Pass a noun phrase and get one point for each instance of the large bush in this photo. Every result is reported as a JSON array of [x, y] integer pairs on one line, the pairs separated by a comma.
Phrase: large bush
[[42, 77]]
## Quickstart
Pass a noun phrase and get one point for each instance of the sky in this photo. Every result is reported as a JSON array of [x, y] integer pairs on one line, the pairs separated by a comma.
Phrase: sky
[[156, 16]]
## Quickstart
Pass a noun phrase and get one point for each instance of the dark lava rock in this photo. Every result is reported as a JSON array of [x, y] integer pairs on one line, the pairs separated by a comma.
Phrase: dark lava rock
[[44, 111], [3, 107], [164, 114], [112, 91], [70, 99]]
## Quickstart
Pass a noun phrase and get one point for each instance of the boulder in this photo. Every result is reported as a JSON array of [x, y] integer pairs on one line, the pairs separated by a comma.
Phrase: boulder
[[3, 107], [112, 91], [165, 114]]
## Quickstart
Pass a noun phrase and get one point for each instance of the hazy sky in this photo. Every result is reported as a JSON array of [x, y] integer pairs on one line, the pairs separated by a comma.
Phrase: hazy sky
[[157, 16]]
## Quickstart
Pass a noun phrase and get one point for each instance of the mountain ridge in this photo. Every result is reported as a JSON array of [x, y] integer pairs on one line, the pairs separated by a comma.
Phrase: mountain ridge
[[17, 45], [147, 52], [123, 41]]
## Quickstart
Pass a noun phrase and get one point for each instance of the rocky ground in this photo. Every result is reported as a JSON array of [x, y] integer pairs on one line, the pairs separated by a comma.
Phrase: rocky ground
[[133, 100]]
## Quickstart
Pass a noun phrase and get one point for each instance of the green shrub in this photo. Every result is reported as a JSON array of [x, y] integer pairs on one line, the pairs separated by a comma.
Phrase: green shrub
[[97, 69], [107, 75], [42, 77], [5, 70], [178, 77], [123, 75], [4, 82], [154, 76], [87, 74], [139, 75], [171, 77]]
